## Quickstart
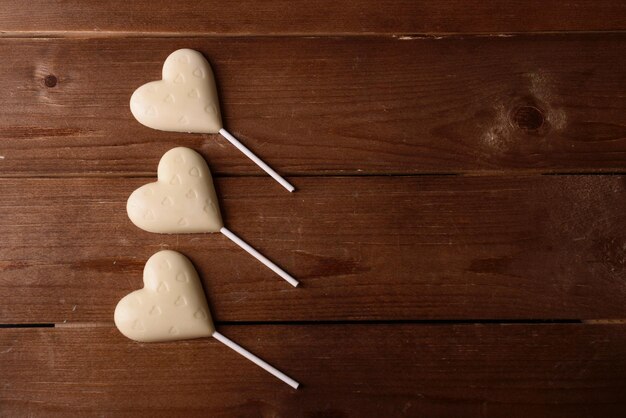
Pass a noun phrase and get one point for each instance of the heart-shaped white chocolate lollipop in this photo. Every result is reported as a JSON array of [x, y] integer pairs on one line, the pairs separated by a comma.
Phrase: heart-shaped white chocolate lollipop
[[183, 200], [172, 306], [185, 100]]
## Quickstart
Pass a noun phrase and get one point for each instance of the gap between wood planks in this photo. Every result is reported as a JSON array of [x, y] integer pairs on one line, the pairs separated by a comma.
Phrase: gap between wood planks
[[340, 322], [150, 175], [409, 36], [366, 322]]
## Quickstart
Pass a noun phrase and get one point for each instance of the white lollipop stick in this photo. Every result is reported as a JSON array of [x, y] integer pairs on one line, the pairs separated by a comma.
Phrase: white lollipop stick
[[241, 147], [254, 253], [231, 344]]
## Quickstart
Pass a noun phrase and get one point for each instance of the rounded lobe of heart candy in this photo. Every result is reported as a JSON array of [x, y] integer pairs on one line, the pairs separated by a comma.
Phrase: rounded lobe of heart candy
[[183, 200], [171, 306], [185, 100]]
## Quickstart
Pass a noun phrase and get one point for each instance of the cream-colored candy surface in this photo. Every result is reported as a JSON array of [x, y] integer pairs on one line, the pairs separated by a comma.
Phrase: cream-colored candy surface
[[182, 200], [185, 100], [171, 306]]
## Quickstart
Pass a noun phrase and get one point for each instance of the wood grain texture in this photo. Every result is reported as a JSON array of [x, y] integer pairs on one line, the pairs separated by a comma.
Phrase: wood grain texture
[[537, 247], [545, 103], [346, 371], [249, 17], [373, 91]]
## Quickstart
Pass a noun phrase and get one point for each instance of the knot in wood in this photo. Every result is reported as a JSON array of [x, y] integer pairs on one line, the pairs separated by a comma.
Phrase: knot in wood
[[528, 118], [50, 80]]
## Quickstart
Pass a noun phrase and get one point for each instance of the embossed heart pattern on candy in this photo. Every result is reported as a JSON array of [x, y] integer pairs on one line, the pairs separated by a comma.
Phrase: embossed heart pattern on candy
[[185, 100]]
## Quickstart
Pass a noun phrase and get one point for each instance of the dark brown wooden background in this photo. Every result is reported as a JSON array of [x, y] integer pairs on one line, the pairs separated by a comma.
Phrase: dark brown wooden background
[[459, 227]]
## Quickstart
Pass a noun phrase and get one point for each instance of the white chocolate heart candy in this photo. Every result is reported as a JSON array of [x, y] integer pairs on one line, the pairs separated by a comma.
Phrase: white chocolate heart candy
[[182, 200], [185, 100], [171, 306]]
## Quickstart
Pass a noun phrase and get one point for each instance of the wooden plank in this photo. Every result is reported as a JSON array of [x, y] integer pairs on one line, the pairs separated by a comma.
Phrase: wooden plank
[[547, 103], [376, 248], [248, 17], [346, 371]]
